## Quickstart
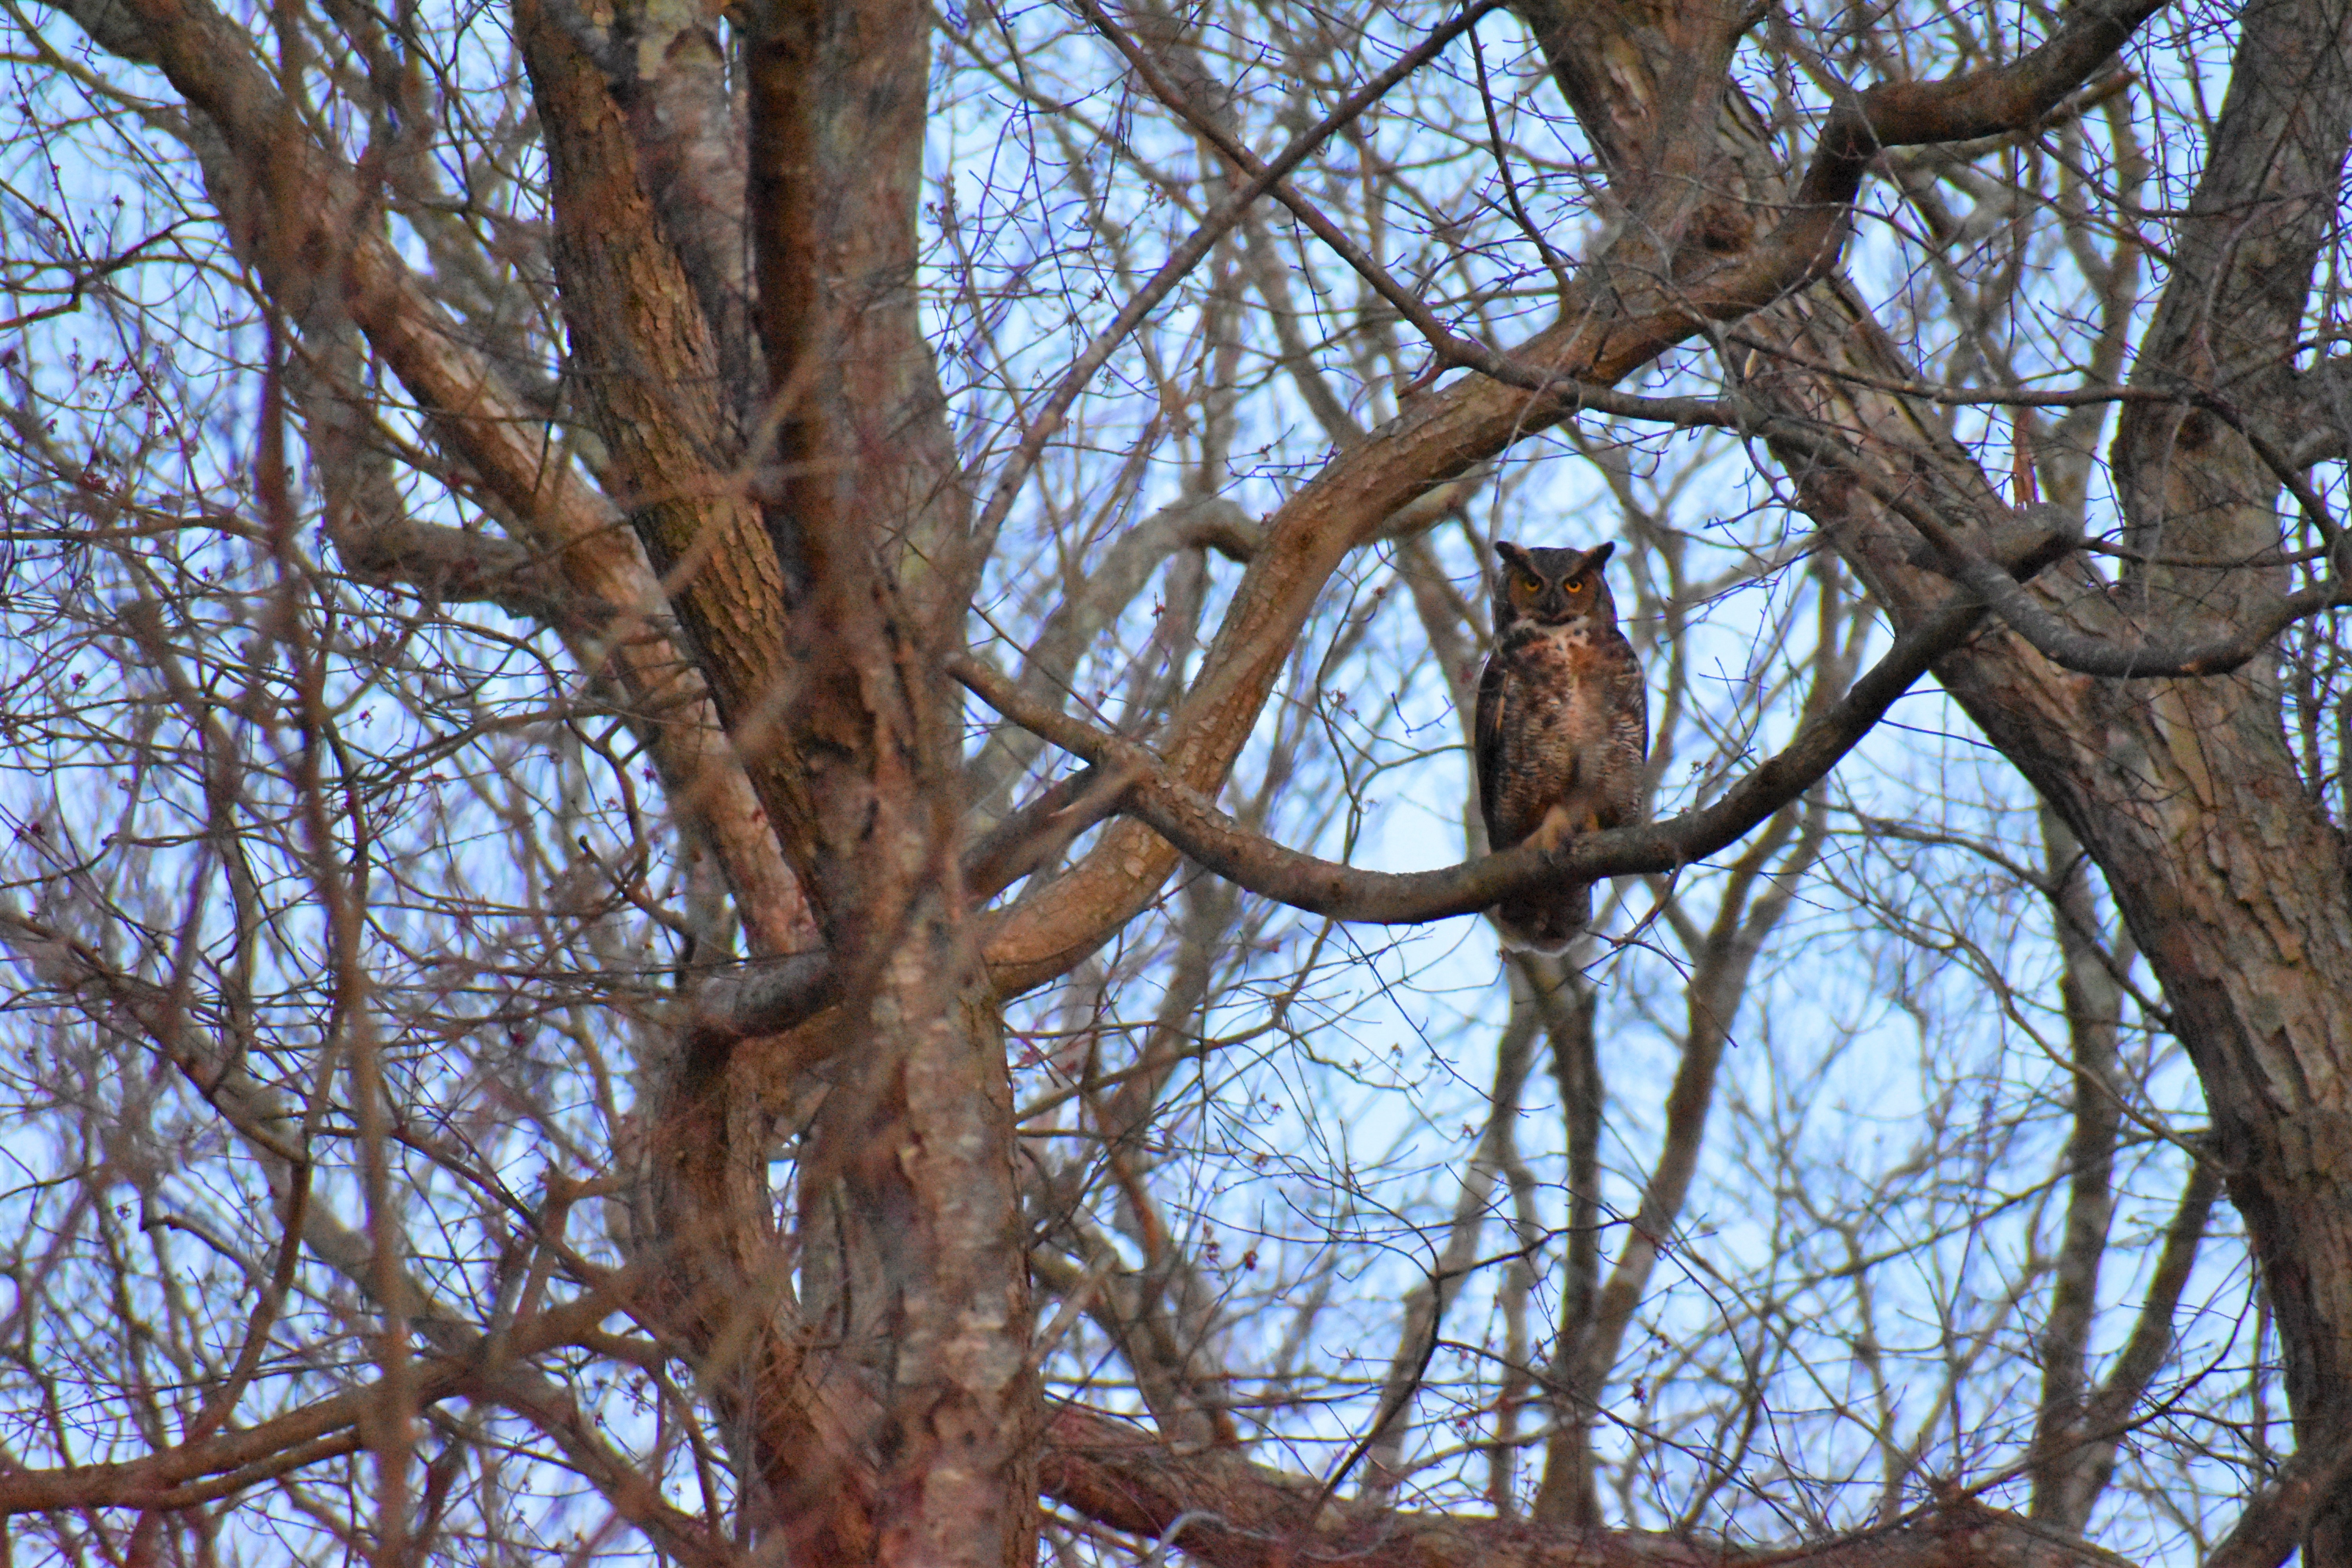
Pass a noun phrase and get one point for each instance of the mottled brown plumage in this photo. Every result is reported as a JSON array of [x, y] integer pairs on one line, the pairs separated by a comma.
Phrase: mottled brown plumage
[[1563, 727]]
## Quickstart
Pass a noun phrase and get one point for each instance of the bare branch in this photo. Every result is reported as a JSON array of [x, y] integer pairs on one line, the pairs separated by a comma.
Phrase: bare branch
[[1247, 1516], [1189, 820]]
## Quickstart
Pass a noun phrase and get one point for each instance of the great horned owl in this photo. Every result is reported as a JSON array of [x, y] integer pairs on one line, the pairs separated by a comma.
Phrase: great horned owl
[[1563, 727]]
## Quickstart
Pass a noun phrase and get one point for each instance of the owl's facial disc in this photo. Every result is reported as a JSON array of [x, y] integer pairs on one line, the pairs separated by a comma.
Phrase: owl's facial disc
[[1538, 594]]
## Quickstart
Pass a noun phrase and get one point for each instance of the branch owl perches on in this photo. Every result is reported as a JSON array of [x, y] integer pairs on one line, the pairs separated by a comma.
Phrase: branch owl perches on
[[1563, 727]]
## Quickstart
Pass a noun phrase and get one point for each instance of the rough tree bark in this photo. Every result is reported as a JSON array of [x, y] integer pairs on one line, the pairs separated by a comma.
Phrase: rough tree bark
[[814, 544]]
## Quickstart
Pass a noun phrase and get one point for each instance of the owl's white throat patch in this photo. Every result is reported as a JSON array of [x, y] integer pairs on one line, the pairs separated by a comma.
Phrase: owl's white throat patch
[[1571, 633]]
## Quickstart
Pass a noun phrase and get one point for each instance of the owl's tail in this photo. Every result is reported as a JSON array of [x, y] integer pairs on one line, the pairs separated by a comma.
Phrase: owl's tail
[[1548, 921]]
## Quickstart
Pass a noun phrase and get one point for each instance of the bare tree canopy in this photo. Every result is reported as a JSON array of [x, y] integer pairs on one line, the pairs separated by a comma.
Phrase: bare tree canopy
[[739, 829]]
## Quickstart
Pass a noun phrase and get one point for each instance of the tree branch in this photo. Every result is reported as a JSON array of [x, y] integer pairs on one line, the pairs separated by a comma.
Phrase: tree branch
[[1192, 821], [1237, 1514]]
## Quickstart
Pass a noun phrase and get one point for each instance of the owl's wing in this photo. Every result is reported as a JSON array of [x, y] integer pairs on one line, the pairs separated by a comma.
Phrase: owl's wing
[[1629, 736], [1487, 741], [1632, 726]]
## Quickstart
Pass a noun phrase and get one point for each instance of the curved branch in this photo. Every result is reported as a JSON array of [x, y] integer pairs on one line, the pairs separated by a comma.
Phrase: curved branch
[[1131, 779], [1235, 1514], [1192, 821], [1961, 109]]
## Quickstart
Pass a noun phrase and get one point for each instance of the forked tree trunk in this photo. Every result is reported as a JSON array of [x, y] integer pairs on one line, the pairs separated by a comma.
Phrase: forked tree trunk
[[871, 1354]]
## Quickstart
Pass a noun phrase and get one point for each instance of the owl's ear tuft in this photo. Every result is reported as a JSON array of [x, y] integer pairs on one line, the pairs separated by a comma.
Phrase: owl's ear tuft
[[1512, 555], [1591, 559]]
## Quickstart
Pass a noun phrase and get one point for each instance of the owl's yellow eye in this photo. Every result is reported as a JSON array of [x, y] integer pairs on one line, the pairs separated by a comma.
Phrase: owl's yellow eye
[[1573, 585], [1527, 581]]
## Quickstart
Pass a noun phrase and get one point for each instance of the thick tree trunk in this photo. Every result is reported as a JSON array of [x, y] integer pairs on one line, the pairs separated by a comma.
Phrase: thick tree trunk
[[887, 1407]]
